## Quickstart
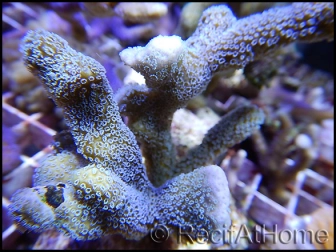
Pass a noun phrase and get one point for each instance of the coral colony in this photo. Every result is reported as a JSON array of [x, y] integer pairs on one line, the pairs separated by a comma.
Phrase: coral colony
[[96, 182]]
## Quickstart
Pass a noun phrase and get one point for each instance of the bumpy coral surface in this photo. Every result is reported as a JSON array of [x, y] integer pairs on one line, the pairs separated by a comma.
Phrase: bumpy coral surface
[[95, 184], [176, 70]]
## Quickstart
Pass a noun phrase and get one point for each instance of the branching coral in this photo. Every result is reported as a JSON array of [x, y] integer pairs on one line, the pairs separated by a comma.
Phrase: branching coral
[[177, 70], [95, 183], [289, 152], [231, 129]]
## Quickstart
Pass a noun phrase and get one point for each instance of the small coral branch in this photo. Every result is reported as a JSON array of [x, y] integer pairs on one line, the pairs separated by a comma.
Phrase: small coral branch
[[275, 157], [233, 128], [225, 42]]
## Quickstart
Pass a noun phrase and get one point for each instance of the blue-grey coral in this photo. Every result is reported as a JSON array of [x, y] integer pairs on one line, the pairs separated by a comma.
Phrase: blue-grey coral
[[231, 129], [102, 186], [95, 184], [176, 71]]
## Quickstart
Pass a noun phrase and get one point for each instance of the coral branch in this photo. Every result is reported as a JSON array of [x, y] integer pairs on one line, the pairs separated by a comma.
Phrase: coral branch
[[176, 71], [78, 84], [233, 128]]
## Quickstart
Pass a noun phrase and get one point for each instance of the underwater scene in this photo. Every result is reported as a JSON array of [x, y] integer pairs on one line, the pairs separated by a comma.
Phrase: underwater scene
[[167, 125]]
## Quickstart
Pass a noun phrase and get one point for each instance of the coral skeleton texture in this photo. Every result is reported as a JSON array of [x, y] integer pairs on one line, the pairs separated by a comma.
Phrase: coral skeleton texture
[[95, 183]]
